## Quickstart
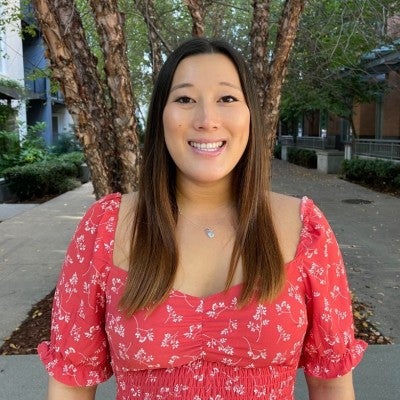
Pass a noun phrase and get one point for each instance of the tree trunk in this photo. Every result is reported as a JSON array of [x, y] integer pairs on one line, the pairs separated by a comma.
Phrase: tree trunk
[[274, 72], [147, 9], [259, 47], [110, 28], [197, 10], [102, 111]]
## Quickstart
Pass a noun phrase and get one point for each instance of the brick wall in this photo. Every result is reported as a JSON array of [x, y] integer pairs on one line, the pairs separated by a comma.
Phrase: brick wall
[[391, 108], [364, 120]]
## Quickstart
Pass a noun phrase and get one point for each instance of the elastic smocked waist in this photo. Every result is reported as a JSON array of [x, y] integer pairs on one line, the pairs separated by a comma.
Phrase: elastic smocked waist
[[202, 380]]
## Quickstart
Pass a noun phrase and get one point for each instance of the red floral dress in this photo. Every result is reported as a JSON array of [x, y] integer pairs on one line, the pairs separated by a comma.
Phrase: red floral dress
[[193, 348]]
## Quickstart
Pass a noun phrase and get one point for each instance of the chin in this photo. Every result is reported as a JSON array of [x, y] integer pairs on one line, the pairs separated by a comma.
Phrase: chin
[[211, 178]]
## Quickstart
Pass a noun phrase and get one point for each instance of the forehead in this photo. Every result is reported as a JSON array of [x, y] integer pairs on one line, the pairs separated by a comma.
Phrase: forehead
[[212, 67]]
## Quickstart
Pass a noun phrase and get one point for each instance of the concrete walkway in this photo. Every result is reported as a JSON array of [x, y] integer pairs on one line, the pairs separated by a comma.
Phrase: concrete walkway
[[367, 226], [33, 243], [32, 248]]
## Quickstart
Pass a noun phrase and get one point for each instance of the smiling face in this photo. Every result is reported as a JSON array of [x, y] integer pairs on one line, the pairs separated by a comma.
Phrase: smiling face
[[206, 119]]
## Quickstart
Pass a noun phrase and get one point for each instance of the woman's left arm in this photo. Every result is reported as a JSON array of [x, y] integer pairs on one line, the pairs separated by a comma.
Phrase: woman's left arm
[[331, 389]]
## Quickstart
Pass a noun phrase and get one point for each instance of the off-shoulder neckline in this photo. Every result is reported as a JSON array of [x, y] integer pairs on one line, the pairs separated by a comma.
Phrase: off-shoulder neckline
[[305, 205]]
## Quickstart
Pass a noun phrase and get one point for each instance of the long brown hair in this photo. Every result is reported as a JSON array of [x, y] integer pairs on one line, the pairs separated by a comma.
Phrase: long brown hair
[[154, 255]]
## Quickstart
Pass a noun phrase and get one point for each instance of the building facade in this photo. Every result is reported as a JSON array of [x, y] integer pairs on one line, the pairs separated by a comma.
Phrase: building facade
[[12, 78], [377, 124], [21, 62]]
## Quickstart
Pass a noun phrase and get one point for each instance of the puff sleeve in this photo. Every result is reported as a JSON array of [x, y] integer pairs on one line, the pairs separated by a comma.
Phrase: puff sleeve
[[330, 349], [77, 353]]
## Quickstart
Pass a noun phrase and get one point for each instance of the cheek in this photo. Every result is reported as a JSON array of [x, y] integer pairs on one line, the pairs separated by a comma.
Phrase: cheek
[[172, 128], [244, 125], [171, 118], [169, 126]]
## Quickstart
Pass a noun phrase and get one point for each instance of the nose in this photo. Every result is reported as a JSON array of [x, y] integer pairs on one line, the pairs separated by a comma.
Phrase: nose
[[206, 117]]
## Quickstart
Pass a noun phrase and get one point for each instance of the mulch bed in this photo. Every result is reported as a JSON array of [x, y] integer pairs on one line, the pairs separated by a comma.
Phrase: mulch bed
[[36, 328], [33, 330]]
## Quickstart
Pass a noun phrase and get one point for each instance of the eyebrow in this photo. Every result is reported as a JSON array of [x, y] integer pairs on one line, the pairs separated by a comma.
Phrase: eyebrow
[[185, 85]]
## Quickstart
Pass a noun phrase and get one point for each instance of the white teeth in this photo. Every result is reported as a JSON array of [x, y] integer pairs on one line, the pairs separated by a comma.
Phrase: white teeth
[[206, 146]]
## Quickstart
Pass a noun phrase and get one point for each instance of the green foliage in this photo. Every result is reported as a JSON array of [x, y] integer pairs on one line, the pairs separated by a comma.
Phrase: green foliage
[[33, 146], [9, 149], [76, 158], [66, 143], [7, 113], [11, 83], [326, 70], [377, 174], [40, 179], [303, 157]]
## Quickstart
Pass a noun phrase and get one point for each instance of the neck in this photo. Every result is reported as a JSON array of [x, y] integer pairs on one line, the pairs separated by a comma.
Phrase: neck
[[207, 198]]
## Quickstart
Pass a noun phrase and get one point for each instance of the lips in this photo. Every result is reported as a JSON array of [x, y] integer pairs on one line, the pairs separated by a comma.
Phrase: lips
[[209, 146]]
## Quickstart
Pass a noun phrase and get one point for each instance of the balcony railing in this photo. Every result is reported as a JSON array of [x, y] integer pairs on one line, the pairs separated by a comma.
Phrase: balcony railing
[[286, 139], [388, 149], [315, 142]]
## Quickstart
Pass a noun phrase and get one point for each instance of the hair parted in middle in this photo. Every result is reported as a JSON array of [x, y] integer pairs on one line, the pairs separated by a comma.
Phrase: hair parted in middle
[[154, 256]]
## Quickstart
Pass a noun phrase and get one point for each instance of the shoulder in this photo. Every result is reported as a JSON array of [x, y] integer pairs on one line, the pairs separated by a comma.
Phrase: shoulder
[[287, 207], [127, 207], [287, 218], [108, 204], [123, 232], [100, 212]]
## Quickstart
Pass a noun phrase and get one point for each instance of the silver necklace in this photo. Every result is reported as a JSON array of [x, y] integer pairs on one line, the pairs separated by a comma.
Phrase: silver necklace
[[208, 230]]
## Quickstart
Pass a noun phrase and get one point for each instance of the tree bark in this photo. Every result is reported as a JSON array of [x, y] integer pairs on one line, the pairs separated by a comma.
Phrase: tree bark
[[102, 112], [147, 9], [110, 27], [197, 10], [259, 47], [273, 73]]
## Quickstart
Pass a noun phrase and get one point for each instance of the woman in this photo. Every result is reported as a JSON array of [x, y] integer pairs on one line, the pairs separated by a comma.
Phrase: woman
[[204, 284]]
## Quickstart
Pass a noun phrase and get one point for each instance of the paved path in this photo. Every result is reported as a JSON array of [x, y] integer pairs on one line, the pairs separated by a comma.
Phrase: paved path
[[8, 211], [33, 243], [368, 234], [32, 248]]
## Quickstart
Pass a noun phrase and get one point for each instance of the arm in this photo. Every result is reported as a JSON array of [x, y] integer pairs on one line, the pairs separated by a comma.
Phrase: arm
[[58, 390], [78, 353], [331, 389]]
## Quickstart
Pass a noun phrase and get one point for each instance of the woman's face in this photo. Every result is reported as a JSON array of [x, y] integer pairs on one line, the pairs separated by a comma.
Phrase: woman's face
[[206, 118]]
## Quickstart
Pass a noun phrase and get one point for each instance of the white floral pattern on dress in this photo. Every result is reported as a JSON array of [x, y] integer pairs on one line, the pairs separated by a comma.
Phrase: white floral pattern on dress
[[192, 348]]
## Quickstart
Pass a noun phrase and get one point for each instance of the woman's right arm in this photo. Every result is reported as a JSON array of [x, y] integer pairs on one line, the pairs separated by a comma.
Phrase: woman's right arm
[[77, 354], [58, 391]]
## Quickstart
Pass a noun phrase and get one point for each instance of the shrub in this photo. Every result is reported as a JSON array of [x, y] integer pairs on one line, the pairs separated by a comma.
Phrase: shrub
[[76, 158], [33, 146], [377, 174], [66, 143], [303, 157], [40, 179], [9, 149]]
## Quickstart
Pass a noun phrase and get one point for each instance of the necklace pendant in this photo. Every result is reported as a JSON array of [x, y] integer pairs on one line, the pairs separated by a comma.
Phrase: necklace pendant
[[210, 233]]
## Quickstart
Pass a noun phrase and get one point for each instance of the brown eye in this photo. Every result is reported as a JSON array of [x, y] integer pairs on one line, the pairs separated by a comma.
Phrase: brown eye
[[184, 100], [228, 99]]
